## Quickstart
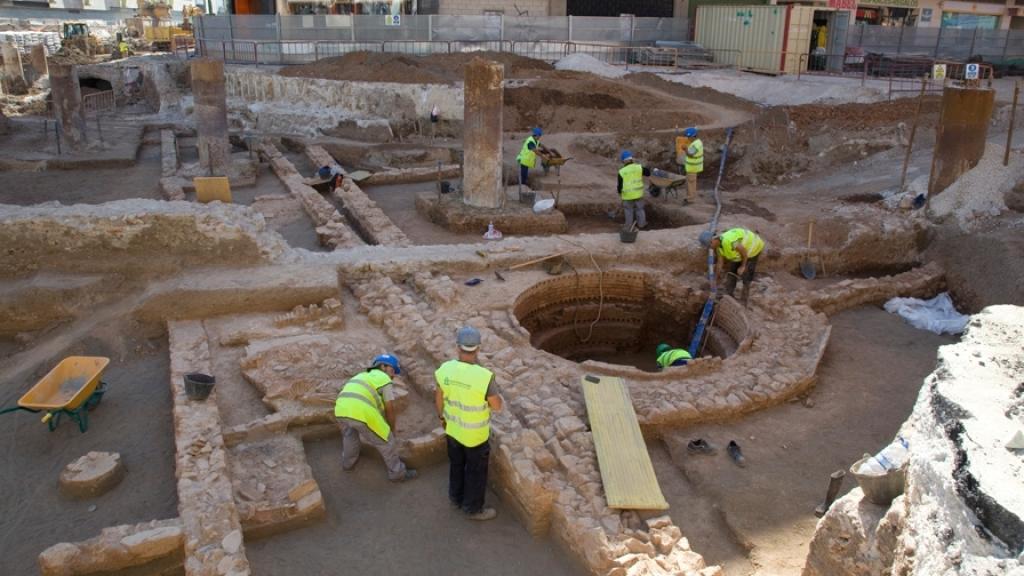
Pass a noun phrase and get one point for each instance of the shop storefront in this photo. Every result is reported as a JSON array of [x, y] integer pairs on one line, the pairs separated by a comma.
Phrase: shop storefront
[[984, 15], [887, 12], [358, 7]]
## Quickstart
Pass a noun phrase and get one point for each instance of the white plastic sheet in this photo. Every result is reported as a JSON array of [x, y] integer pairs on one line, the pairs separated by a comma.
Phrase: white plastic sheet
[[936, 315]]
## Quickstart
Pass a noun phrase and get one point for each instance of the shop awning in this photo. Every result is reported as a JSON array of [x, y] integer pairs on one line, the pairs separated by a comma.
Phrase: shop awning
[[888, 3]]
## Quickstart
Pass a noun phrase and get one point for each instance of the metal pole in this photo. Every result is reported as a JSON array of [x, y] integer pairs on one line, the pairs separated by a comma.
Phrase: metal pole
[[899, 43], [430, 27], [1013, 117], [570, 29], [913, 132], [974, 38], [938, 41]]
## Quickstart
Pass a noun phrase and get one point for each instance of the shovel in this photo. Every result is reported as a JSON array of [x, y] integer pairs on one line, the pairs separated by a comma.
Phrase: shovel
[[806, 266]]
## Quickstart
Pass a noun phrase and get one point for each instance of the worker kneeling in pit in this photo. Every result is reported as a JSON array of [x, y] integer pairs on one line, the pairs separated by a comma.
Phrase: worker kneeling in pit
[[631, 190], [741, 248], [669, 356], [365, 411]]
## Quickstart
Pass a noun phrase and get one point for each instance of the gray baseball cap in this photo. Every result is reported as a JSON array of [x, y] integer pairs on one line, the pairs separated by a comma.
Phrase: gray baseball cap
[[468, 338]]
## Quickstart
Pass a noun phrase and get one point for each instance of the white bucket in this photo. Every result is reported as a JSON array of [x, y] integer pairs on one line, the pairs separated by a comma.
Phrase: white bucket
[[542, 206]]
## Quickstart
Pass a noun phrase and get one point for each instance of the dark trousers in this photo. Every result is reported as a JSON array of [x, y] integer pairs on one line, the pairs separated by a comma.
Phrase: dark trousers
[[524, 173], [748, 276], [467, 475]]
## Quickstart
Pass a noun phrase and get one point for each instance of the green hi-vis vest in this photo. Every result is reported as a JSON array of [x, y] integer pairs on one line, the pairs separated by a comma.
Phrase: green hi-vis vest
[[632, 181], [695, 163], [753, 243], [526, 156], [669, 357], [360, 399], [467, 415]]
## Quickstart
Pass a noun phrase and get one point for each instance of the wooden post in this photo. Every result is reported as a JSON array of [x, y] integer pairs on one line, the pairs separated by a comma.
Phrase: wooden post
[[913, 132], [1013, 117]]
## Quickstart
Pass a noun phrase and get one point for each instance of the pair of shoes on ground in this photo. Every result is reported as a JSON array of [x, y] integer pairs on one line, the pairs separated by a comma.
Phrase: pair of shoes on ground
[[485, 513], [702, 446]]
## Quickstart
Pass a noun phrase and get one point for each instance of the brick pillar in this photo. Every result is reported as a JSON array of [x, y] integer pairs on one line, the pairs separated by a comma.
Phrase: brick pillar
[[966, 113], [14, 76], [211, 115], [67, 103], [481, 134], [37, 57]]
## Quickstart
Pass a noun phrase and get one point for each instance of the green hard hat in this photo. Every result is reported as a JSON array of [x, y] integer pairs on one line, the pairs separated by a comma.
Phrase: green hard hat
[[662, 348]]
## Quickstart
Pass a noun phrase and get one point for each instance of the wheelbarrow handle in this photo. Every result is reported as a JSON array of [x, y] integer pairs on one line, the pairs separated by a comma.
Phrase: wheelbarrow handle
[[15, 408], [47, 417]]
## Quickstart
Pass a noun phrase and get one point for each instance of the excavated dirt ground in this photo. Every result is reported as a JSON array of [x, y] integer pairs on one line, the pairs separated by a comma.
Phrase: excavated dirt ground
[[753, 520]]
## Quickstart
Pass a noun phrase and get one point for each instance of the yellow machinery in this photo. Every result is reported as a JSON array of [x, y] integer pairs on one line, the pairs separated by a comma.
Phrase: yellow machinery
[[76, 35], [153, 24]]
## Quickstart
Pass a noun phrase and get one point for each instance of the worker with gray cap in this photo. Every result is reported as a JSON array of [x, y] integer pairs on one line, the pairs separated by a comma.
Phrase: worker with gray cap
[[465, 397], [741, 248]]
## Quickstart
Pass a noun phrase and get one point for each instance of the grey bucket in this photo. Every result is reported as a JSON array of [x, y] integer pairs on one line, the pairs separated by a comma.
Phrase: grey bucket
[[198, 386], [628, 236], [881, 489]]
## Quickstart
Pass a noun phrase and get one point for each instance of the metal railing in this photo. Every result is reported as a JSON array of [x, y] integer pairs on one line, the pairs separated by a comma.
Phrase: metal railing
[[98, 103], [305, 51]]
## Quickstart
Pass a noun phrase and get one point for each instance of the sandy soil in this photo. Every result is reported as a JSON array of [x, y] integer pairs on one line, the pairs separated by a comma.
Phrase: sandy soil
[[408, 69], [133, 419], [85, 186], [375, 527], [868, 382]]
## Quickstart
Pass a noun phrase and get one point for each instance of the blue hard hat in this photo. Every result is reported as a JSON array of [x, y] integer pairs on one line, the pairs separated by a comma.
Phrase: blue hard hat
[[626, 155], [538, 132], [387, 360], [690, 132]]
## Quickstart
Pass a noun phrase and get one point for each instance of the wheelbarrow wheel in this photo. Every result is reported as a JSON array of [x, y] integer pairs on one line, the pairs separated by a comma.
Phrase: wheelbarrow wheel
[[53, 421]]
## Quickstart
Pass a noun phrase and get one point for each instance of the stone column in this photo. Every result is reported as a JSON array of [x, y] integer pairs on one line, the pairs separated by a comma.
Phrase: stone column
[[38, 60], [13, 74], [963, 128], [67, 103], [481, 134], [211, 115]]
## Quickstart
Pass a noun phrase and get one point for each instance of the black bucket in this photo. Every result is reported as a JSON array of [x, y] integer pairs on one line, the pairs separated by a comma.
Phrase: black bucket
[[198, 386], [628, 236]]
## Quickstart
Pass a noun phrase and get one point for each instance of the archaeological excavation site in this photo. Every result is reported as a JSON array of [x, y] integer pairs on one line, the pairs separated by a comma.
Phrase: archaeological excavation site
[[809, 364]]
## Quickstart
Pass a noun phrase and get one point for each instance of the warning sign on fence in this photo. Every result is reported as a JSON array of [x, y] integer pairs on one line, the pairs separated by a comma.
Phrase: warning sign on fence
[[393, 20], [972, 71], [939, 72]]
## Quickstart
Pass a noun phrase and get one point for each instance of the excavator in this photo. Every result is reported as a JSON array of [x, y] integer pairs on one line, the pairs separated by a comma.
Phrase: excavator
[[152, 22], [76, 35]]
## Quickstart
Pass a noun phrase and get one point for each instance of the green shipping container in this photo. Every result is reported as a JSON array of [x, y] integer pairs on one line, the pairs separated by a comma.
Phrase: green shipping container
[[761, 38]]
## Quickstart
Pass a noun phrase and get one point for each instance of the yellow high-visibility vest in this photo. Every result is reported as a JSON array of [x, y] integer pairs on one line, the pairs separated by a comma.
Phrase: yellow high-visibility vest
[[467, 415], [526, 156], [360, 399], [695, 163], [632, 181], [753, 244], [668, 357]]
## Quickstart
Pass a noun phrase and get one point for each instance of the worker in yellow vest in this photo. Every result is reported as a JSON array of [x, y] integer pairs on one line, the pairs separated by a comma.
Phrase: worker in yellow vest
[[694, 163], [631, 190], [740, 248], [365, 412], [465, 397], [528, 154], [669, 356]]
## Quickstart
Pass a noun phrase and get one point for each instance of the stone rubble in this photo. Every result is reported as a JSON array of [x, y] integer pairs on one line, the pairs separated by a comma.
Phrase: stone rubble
[[118, 548]]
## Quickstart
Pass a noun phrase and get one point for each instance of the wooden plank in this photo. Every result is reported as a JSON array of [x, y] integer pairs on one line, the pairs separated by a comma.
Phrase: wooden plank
[[626, 469], [210, 188]]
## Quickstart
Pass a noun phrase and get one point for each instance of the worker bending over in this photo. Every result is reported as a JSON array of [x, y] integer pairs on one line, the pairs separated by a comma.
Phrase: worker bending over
[[528, 154], [365, 411], [669, 356], [741, 248], [694, 163], [465, 396], [631, 190]]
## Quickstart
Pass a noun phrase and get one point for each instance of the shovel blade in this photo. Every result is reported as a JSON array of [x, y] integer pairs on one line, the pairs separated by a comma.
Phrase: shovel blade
[[807, 269]]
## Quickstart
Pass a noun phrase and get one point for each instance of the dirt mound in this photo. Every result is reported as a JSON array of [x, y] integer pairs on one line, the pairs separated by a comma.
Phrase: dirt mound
[[698, 93], [409, 69], [863, 116]]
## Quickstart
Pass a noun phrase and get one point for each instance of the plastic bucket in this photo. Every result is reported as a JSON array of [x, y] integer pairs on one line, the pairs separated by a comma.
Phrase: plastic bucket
[[198, 386], [542, 206], [628, 236], [881, 489]]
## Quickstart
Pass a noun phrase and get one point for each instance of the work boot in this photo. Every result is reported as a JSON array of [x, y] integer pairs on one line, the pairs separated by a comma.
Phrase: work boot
[[486, 513], [736, 454], [700, 446], [410, 473]]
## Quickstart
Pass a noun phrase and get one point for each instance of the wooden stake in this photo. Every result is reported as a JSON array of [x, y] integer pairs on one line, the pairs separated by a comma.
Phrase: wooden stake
[[913, 132], [1013, 117]]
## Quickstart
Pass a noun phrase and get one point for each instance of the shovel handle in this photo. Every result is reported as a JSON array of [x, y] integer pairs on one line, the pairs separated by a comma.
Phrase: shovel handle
[[810, 233]]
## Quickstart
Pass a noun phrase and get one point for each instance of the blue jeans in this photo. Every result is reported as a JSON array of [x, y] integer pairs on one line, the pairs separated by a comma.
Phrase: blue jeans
[[524, 172]]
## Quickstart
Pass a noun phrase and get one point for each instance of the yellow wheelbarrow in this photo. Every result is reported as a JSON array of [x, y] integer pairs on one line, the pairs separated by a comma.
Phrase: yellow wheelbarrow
[[73, 387], [667, 182]]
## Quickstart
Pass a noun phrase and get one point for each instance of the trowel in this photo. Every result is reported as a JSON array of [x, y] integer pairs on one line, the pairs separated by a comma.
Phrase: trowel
[[806, 265]]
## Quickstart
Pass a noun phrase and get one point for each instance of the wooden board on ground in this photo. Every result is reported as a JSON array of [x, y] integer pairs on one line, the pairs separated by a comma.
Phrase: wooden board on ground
[[626, 469], [210, 188]]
